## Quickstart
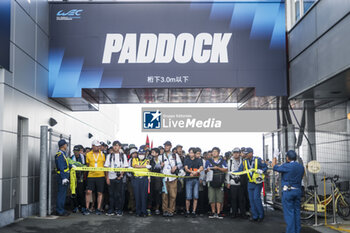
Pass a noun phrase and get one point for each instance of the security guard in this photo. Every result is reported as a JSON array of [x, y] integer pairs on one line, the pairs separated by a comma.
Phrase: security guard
[[292, 174], [141, 182], [255, 183], [63, 167]]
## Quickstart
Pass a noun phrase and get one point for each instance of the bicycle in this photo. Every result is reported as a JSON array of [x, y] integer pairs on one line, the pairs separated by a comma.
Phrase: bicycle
[[341, 195]]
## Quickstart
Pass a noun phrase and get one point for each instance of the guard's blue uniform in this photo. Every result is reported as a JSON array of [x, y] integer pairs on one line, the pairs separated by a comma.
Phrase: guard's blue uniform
[[292, 175], [254, 190], [63, 167]]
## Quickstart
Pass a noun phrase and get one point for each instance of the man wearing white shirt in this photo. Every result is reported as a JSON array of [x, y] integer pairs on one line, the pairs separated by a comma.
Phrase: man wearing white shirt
[[116, 180], [171, 166]]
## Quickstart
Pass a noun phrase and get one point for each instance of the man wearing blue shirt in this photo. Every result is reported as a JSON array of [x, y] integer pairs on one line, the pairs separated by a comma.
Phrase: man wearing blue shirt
[[255, 182], [63, 167], [292, 175]]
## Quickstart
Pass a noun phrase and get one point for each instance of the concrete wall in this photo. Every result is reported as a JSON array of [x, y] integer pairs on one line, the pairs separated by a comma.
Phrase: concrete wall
[[319, 45], [23, 93]]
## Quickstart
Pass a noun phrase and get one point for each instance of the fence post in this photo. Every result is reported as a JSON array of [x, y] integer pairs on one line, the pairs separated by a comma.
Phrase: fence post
[[50, 174], [43, 172]]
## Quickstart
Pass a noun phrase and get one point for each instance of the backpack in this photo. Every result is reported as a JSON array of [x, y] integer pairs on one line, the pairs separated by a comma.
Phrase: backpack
[[218, 176]]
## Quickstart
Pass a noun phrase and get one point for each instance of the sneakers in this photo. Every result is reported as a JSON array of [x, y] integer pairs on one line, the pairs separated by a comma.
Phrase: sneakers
[[218, 216], [119, 213], [165, 214], [98, 212], [75, 210], [86, 212], [187, 214], [157, 212], [193, 215], [109, 213], [170, 215], [149, 213]]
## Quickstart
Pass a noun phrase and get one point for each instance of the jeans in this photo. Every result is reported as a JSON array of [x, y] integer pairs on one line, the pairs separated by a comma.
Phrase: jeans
[[192, 188]]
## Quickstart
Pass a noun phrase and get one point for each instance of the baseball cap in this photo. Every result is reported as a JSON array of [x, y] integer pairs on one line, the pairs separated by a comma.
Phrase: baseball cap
[[96, 143], [167, 143], [133, 150], [132, 146], [160, 148], [291, 154], [62, 142], [76, 148], [248, 150], [178, 146], [236, 149]]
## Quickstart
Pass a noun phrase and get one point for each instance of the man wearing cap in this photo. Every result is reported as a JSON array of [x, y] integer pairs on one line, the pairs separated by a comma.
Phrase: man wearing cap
[[96, 179], [255, 179], [292, 175], [62, 167], [233, 183], [244, 184], [116, 180], [79, 197], [171, 166]]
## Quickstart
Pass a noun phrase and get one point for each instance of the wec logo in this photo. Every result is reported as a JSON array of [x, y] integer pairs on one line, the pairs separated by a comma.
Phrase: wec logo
[[166, 47], [74, 13]]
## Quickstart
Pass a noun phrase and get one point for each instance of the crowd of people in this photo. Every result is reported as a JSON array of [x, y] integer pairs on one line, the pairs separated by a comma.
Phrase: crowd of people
[[166, 180], [209, 187]]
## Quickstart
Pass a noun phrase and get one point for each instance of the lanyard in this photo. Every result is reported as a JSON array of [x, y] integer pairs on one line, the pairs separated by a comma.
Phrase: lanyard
[[96, 159]]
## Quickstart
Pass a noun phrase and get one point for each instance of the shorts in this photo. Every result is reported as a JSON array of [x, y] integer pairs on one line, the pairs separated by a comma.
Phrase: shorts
[[96, 184], [192, 186], [215, 195]]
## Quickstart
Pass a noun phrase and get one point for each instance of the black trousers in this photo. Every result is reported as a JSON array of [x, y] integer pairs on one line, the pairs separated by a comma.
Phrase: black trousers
[[116, 191], [79, 198], [244, 184], [155, 197], [203, 206], [237, 199]]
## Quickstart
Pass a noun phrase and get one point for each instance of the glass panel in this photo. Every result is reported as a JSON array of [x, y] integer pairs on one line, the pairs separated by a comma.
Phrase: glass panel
[[308, 4]]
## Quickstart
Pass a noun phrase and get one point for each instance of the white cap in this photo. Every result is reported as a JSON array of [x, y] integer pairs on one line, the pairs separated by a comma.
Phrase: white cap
[[133, 150], [96, 143]]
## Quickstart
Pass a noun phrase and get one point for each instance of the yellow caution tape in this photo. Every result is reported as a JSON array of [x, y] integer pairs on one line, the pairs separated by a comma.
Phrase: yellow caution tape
[[107, 169], [243, 172]]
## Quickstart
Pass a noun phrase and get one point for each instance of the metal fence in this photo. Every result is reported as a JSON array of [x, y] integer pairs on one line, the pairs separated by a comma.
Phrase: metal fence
[[331, 151]]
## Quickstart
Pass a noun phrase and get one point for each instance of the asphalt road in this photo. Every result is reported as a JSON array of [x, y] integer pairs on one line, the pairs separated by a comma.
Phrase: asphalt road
[[77, 223]]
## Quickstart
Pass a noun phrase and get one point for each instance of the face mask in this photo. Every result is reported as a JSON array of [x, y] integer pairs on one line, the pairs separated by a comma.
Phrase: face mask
[[141, 157]]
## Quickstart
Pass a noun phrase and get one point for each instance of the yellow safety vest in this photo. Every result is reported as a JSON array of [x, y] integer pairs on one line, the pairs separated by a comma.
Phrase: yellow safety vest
[[67, 169], [257, 178]]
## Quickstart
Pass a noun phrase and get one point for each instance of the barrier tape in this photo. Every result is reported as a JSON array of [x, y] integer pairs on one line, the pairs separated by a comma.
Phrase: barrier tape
[[244, 172], [138, 172]]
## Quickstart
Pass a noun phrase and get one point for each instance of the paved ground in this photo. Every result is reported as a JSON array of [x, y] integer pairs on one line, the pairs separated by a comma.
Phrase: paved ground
[[77, 223]]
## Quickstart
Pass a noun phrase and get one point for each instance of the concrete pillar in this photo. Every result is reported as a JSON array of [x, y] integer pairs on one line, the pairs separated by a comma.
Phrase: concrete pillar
[[43, 172]]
